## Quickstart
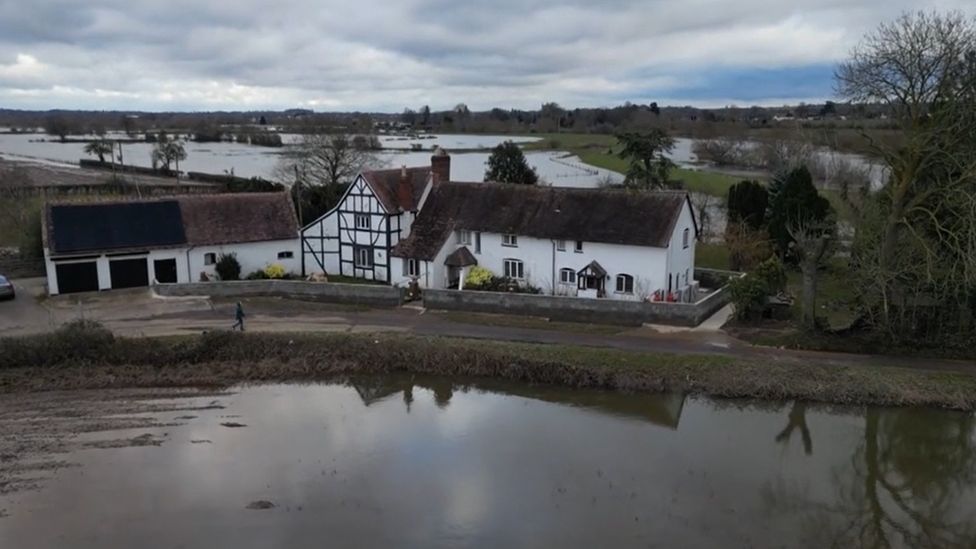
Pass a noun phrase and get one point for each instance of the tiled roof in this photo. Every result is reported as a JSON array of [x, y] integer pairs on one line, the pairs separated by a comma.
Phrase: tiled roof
[[241, 217], [590, 215], [396, 192]]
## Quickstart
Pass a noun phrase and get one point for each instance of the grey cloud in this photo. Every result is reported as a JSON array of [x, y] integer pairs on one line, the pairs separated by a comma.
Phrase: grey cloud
[[381, 53]]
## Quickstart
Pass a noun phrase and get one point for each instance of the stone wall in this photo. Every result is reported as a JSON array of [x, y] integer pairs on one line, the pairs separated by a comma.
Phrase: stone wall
[[574, 309], [353, 294]]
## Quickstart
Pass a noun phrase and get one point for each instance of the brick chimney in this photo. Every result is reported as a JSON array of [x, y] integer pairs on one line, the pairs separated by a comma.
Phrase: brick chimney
[[405, 190], [440, 166]]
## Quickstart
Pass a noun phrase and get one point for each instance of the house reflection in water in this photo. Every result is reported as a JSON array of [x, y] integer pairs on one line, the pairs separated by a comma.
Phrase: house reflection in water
[[659, 409]]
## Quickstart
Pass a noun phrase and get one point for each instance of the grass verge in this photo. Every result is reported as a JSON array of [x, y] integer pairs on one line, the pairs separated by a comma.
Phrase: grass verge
[[90, 357]]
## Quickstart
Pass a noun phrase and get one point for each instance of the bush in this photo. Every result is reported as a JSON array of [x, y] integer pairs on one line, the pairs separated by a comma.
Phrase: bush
[[479, 276], [275, 270], [77, 342], [748, 296], [256, 275], [773, 274], [227, 267]]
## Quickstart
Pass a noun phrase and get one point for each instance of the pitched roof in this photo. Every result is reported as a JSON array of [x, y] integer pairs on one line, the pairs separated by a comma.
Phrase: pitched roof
[[590, 215], [240, 217], [461, 257], [192, 220], [386, 184], [113, 226]]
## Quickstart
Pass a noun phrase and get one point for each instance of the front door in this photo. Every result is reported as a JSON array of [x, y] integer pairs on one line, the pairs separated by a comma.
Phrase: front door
[[165, 271]]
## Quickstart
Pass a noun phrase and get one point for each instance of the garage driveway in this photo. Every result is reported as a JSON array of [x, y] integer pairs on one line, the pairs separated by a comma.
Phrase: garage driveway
[[25, 314]]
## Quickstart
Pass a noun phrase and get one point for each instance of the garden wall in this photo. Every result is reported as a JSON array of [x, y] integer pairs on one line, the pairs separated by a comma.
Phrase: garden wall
[[353, 294]]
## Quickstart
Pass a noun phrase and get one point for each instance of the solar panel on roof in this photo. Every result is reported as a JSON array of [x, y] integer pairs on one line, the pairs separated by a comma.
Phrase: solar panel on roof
[[93, 227]]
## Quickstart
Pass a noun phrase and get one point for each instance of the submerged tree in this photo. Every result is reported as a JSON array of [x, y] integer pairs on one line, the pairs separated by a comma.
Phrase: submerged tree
[[167, 152], [507, 164], [324, 157], [649, 167], [99, 148]]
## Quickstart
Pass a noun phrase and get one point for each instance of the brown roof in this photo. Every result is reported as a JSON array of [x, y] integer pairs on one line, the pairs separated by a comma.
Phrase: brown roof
[[240, 217], [386, 184], [590, 215], [461, 257]]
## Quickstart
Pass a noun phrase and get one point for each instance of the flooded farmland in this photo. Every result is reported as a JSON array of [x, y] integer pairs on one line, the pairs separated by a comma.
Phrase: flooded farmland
[[434, 462]]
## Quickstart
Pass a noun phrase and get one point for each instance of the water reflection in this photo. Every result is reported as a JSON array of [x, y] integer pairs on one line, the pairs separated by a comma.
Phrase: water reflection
[[907, 483], [403, 461], [660, 409]]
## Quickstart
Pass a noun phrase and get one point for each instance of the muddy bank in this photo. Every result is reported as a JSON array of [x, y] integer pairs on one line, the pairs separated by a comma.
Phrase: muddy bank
[[93, 358]]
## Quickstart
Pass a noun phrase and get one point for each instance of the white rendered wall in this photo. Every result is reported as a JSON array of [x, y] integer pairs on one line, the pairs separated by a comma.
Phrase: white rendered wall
[[252, 256]]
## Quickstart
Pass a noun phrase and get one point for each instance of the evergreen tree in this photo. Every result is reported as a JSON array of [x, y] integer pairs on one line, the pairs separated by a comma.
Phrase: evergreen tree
[[793, 202], [747, 203], [507, 164]]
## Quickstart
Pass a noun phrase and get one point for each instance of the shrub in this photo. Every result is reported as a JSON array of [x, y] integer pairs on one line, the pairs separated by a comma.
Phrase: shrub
[[478, 277], [256, 275], [227, 267], [275, 270], [773, 274], [748, 295]]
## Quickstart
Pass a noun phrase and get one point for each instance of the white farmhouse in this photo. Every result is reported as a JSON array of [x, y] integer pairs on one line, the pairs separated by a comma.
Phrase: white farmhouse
[[355, 238], [579, 242], [124, 244]]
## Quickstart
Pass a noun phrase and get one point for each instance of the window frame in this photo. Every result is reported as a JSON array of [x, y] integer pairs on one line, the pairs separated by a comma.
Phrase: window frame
[[412, 267], [570, 280], [359, 250], [367, 226], [685, 240], [510, 240], [477, 242], [464, 237], [578, 247], [626, 278], [517, 264], [209, 259], [560, 245], [286, 254]]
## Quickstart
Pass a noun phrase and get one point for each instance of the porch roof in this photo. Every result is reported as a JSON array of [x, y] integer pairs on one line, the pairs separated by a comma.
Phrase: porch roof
[[461, 257]]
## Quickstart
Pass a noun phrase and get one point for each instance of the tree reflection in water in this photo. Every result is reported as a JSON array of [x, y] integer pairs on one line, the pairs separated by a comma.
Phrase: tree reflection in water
[[797, 420], [906, 485]]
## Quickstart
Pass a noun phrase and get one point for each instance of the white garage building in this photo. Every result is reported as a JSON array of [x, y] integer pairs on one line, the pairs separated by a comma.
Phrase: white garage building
[[125, 244]]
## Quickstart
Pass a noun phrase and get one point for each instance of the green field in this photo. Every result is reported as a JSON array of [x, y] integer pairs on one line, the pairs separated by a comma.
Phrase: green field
[[598, 150]]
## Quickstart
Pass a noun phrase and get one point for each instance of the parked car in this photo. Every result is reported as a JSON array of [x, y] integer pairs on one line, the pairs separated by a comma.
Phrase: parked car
[[6, 288]]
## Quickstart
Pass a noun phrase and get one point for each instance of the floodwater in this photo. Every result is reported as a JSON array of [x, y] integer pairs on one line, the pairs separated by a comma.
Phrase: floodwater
[[244, 160], [427, 462]]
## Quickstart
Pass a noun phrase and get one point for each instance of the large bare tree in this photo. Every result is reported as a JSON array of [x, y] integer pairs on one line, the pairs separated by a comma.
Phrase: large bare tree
[[915, 249], [328, 158]]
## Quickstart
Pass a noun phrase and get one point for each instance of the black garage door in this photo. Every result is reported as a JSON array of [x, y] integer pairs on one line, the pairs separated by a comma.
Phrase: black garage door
[[77, 277], [128, 273], [165, 270]]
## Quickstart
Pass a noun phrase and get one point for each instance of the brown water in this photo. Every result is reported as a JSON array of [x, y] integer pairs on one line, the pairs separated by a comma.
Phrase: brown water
[[428, 463]]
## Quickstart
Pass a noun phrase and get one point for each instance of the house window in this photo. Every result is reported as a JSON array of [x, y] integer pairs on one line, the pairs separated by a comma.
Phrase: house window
[[579, 246], [286, 255], [684, 238], [477, 242], [567, 276], [363, 256], [464, 238], [209, 258], [509, 240], [625, 284], [561, 245], [514, 269], [362, 221], [412, 267]]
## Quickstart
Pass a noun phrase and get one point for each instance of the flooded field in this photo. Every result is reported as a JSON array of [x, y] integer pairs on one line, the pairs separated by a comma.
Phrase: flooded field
[[427, 462], [252, 161]]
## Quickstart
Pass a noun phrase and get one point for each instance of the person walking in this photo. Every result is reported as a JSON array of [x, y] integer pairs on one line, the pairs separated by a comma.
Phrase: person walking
[[239, 315]]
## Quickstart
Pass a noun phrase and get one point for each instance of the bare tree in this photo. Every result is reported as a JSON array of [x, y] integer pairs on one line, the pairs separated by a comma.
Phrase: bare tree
[[327, 158], [922, 67], [813, 245]]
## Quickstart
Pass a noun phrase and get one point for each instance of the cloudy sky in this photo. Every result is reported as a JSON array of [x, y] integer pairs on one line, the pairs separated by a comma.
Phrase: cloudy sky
[[384, 55]]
